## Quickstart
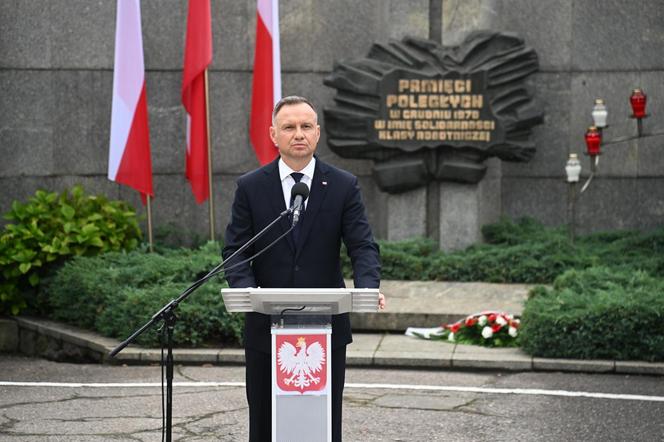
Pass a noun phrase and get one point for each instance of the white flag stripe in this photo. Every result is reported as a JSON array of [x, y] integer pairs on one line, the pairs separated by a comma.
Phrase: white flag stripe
[[361, 386], [265, 8], [269, 13], [128, 79], [276, 52], [121, 119]]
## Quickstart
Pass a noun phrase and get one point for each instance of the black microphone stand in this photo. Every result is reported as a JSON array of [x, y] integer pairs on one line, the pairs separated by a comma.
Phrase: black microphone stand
[[167, 314]]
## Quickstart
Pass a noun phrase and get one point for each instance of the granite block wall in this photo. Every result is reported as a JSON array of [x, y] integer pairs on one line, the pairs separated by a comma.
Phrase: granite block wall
[[591, 49], [56, 61]]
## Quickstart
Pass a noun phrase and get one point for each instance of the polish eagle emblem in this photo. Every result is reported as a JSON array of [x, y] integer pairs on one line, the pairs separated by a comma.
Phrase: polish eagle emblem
[[301, 364]]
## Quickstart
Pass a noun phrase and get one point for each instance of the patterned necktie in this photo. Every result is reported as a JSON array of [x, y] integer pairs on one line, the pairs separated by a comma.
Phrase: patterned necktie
[[297, 176]]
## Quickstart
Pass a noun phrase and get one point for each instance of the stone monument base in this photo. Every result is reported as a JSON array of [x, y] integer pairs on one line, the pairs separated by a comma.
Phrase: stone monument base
[[452, 214]]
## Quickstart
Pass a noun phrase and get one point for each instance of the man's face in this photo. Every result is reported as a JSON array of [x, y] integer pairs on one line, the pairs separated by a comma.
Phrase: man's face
[[296, 133]]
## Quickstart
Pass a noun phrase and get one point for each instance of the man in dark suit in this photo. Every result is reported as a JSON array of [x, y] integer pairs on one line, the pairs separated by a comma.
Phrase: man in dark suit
[[310, 258]]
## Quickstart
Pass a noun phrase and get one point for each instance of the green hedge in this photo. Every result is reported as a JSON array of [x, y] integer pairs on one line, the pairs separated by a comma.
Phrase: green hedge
[[116, 293], [521, 252], [598, 313], [606, 301], [52, 227]]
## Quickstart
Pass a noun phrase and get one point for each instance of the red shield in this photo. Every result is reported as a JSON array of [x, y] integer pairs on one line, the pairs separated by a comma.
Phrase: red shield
[[301, 363]]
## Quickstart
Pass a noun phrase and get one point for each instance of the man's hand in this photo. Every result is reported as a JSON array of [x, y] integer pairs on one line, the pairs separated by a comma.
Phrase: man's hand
[[381, 301]]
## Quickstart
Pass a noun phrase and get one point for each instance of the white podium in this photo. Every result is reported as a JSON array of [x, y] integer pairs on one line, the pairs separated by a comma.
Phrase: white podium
[[301, 352]]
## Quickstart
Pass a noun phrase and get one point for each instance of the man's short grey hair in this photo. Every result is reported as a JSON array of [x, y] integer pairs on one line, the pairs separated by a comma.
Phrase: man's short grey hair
[[289, 101]]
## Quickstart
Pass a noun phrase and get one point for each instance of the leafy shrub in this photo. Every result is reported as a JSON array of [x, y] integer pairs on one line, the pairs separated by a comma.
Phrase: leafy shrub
[[52, 227], [596, 313], [117, 292]]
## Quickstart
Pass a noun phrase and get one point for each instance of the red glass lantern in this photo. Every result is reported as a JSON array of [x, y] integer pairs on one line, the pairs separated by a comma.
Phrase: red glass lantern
[[593, 141], [638, 102]]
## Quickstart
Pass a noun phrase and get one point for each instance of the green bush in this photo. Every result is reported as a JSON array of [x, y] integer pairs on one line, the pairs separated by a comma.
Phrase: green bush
[[52, 227], [535, 262], [607, 298], [629, 250], [116, 293], [202, 318], [520, 252], [598, 313], [524, 230]]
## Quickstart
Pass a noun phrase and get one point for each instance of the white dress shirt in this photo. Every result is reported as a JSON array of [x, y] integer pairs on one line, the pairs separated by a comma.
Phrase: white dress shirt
[[287, 181]]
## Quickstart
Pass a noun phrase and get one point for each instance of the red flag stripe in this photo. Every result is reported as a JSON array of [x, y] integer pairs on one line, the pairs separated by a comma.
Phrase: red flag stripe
[[262, 97], [129, 151], [197, 57], [197, 157], [135, 168], [266, 85]]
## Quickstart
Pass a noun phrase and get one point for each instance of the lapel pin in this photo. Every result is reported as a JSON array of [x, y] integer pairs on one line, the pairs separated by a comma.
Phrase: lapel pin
[[324, 183]]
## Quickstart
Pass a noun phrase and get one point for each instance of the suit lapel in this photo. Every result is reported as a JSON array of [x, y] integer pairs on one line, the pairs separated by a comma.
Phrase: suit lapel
[[275, 194], [316, 197]]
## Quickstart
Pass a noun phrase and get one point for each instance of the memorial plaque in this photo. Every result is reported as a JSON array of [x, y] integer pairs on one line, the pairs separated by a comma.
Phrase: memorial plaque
[[427, 112]]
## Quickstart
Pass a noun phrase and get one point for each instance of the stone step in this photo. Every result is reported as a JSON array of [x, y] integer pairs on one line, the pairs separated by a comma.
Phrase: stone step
[[433, 303]]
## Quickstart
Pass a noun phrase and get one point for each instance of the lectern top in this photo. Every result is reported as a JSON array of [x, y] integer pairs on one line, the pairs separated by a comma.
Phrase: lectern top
[[272, 301]]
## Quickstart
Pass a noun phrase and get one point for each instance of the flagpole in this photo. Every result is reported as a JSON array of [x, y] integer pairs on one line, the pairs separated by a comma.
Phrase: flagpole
[[149, 208], [209, 152]]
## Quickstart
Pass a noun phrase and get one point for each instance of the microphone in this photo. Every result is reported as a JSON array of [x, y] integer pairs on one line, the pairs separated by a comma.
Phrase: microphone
[[299, 193]]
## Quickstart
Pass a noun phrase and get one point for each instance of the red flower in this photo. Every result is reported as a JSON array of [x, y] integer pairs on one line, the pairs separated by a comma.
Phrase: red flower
[[492, 317], [471, 321], [496, 328], [455, 327]]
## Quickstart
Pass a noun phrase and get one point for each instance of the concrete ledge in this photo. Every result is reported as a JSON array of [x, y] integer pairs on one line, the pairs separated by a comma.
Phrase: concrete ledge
[[68, 333], [470, 356], [593, 366], [409, 360], [62, 342], [360, 358], [640, 367], [231, 356], [8, 335], [130, 355]]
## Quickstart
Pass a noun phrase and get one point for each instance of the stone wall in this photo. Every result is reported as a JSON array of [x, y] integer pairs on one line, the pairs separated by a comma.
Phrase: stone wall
[[56, 61], [591, 49]]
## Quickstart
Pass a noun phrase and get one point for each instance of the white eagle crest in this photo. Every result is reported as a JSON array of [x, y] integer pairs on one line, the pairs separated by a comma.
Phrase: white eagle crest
[[302, 363]]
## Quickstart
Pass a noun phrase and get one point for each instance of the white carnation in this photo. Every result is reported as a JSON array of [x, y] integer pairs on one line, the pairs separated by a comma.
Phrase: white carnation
[[481, 320], [450, 337], [487, 332], [512, 332], [501, 321]]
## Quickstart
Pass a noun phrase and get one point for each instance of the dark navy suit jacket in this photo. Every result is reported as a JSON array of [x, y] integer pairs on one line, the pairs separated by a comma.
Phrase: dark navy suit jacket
[[334, 212]]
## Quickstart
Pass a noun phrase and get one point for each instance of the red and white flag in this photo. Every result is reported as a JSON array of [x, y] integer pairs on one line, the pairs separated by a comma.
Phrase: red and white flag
[[129, 154], [266, 88], [197, 57]]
